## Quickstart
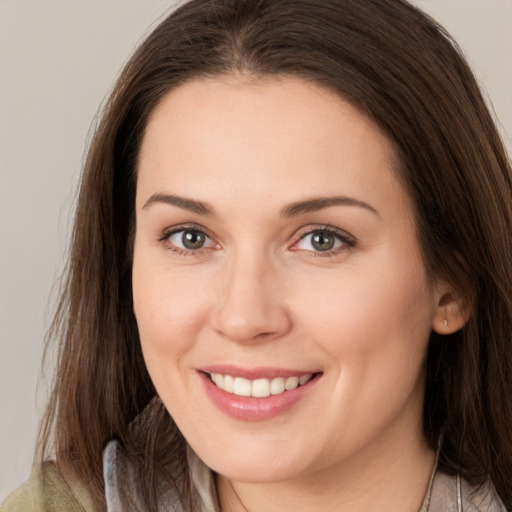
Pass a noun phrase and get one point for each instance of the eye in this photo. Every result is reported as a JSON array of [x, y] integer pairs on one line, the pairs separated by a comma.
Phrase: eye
[[188, 239], [324, 240]]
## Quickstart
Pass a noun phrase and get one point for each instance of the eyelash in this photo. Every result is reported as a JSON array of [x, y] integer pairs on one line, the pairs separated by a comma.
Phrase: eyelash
[[164, 239], [347, 240]]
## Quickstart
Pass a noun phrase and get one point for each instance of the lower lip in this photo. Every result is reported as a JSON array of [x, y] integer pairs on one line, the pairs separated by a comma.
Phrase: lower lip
[[252, 408]]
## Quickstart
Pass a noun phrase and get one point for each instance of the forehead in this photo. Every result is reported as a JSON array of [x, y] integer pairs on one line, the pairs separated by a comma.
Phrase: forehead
[[282, 103], [273, 137]]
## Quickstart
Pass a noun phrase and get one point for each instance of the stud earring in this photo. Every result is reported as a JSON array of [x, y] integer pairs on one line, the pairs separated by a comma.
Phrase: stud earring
[[445, 322]]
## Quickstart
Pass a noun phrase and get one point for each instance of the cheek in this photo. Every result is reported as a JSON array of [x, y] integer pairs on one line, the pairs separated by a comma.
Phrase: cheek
[[365, 312], [170, 311], [374, 329]]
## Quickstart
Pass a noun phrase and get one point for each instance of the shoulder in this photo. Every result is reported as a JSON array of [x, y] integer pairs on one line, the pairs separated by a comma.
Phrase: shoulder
[[49, 490], [452, 493]]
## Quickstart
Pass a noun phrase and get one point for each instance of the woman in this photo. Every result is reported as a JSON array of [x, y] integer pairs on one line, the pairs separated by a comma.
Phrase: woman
[[290, 284]]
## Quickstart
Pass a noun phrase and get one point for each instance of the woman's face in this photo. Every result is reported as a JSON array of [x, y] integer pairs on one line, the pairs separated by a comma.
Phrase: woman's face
[[276, 248]]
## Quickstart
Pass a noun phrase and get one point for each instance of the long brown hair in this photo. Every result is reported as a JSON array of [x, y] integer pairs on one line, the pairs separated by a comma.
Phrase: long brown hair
[[398, 67]]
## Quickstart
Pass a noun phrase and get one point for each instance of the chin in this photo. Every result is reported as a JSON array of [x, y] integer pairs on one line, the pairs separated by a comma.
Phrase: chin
[[257, 474], [260, 468]]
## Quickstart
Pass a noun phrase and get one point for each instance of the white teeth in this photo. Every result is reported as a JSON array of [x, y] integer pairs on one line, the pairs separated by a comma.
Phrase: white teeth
[[291, 383], [277, 385], [303, 379], [259, 388], [228, 383], [241, 387]]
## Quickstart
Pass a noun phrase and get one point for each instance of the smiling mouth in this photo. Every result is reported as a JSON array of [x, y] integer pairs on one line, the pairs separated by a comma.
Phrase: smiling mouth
[[258, 388]]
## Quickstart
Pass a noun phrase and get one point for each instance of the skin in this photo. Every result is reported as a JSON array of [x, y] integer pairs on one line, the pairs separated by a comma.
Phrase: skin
[[258, 293]]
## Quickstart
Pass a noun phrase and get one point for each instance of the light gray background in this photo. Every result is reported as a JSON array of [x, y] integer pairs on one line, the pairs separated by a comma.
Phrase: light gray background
[[58, 59]]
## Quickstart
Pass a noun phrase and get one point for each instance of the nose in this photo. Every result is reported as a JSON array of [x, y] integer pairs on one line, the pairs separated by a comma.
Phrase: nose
[[252, 304]]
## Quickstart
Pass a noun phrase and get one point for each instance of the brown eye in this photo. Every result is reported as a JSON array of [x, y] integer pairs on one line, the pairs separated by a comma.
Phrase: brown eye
[[190, 239], [193, 239], [326, 241], [322, 241]]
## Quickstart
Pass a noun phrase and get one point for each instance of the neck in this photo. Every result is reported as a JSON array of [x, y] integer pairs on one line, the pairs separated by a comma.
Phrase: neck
[[390, 477]]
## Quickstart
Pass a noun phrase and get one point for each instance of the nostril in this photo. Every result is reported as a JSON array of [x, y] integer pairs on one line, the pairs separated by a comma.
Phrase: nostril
[[263, 335]]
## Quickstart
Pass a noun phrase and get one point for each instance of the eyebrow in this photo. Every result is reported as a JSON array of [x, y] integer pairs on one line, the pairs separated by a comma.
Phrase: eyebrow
[[292, 210], [320, 203], [182, 202]]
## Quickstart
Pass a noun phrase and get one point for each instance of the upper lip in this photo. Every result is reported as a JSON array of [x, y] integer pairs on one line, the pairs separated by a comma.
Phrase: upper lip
[[254, 373]]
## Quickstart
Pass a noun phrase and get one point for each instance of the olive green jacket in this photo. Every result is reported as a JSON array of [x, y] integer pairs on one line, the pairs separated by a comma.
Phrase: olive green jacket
[[47, 490]]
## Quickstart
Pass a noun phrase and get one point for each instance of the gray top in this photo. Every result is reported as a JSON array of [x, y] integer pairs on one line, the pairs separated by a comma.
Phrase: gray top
[[453, 494]]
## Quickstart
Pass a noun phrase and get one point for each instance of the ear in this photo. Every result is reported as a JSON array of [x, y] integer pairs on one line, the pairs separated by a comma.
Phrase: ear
[[451, 312]]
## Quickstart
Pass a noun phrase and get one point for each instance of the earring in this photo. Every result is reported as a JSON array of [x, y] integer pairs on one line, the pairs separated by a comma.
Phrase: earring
[[445, 322]]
